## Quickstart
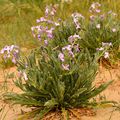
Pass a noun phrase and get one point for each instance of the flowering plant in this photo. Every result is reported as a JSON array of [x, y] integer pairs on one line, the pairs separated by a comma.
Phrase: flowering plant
[[59, 74], [44, 31], [10, 54], [102, 32], [47, 83]]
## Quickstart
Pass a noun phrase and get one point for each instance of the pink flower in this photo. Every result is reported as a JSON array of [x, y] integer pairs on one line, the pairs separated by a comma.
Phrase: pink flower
[[65, 67], [77, 49], [94, 8], [76, 18], [106, 44], [57, 24], [98, 11], [77, 15], [25, 76], [19, 74], [10, 52], [106, 55], [114, 30], [71, 54], [61, 57], [72, 38], [50, 36], [68, 47], [92, 17], [14, 60], [98, 26], [39, 37], [50, 11], [42, 19], [46, 42], [102, 16], [76, 36], [100, 49], [112, 13]]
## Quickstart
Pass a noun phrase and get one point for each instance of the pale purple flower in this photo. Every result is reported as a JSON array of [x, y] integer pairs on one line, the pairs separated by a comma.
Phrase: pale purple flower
[[20, 74], [98, 26], [94, 5], [92, 17], [76, 36], [42, 19], [10, 52], [68, 47], [78, 26], [2, 51], [106, 44], [25, 76], [15, 55], [100, 49], [94, 8], [50, 22], [50, 11], [46, 42], [76, 18], [72, 38], [106, 55], [61, 57], [110, 44], [50, 36], [98, 11], [59, 19], [46, 11], [114, 30], [77, 15], [14, 60], [50, 32], [102, 16], [5, 57], [39, 37], [77, 49], [112, 13], [57, 24], [65, 67], [53, 12], [71, 54], [11, 47]]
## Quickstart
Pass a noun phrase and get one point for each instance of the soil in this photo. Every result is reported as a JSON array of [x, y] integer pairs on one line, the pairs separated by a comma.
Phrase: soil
[[9, 112]]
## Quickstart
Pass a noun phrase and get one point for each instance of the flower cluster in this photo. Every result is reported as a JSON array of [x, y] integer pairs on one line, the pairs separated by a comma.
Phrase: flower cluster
[[43, 32], [50, 10], [69, 51], [94, 8], [76, 18], [104, 47], [10, 52], [102, 27]]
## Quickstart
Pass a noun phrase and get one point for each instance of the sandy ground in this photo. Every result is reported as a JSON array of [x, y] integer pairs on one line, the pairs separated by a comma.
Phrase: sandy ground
[[112, 93]]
